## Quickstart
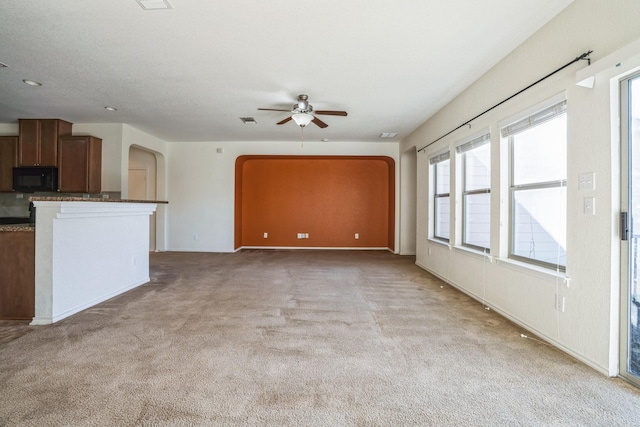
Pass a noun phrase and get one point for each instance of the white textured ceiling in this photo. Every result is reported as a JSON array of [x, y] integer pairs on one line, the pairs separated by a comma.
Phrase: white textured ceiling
[[189, 73]]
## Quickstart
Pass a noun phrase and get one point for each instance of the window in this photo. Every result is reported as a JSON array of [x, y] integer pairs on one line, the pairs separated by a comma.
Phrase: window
[[441, 197], [538, 148], [476, 193]]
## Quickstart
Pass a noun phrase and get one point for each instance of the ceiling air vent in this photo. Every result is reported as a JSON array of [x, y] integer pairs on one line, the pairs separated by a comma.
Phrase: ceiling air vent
[[154, 4], [248, 120], [388, 134]]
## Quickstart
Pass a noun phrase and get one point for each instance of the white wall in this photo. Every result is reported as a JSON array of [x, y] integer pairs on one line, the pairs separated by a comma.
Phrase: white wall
[[201, 186], [588, 327], [117, 138], [9, 129], [111, 135], [408, 189], [146, 161]]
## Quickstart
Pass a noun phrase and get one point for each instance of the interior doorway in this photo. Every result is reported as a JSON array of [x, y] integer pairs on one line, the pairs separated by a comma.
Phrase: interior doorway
[[630, 229], [143, 183]]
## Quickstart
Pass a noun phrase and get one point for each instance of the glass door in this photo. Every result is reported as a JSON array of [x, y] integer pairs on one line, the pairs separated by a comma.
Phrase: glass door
[[630, 229]]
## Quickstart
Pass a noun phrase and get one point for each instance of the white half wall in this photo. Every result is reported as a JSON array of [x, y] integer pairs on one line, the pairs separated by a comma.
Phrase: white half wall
[[86, 253]]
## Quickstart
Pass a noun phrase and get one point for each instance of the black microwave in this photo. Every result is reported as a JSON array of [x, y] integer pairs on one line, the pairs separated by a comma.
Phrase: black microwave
[[35, 178]]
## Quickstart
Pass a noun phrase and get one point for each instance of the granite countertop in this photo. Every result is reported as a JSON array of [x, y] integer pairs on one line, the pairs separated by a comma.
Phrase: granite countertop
[[17, 227], [95, 199]]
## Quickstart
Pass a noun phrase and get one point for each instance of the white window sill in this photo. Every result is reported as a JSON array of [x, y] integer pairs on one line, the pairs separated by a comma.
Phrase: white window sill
[[534, 270], [523, 267]]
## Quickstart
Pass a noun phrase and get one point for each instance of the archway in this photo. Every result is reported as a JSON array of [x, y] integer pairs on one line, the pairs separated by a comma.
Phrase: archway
[[143, 183]]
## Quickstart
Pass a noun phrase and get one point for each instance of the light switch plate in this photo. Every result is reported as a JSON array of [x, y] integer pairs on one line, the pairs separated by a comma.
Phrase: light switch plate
[[589, 206], [587, 181]]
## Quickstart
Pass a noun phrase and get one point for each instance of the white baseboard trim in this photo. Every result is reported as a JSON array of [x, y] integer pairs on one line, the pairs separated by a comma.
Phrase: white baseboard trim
[[319, 248], [587, 361], [38, 321]]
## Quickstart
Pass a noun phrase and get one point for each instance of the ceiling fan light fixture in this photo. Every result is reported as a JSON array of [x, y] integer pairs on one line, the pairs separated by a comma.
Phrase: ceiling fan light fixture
[[302, 119]]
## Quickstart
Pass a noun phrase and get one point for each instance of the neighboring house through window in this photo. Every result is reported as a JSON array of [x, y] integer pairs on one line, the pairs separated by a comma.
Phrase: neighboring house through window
[[475, 157], [538, 179]]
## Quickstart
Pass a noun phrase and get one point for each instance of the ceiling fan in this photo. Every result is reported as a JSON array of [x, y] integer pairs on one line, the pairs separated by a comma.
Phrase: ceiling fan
[[302, 113]]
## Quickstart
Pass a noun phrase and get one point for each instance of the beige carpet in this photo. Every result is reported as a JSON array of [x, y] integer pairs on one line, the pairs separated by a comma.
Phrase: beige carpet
[[297, 338]]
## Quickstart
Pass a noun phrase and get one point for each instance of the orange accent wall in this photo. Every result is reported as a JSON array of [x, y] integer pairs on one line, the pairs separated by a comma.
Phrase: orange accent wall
[[329, 197]]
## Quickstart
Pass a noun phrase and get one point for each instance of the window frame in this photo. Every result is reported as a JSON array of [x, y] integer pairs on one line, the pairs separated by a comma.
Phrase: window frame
[[463, 149], [435, 160], [541, 185]]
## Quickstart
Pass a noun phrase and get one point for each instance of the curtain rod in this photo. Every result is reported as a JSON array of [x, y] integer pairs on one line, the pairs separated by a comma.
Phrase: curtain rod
[[584, 56]]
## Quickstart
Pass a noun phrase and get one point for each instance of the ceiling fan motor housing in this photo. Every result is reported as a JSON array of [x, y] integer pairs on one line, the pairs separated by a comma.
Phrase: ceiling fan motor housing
[[303, 103]]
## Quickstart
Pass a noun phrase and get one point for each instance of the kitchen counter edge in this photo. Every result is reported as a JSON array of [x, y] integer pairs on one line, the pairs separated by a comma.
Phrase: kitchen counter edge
[[25, 227], [82, 199]]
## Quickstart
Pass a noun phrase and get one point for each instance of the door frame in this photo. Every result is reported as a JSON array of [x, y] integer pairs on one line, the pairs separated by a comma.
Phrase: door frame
[[625, 252]]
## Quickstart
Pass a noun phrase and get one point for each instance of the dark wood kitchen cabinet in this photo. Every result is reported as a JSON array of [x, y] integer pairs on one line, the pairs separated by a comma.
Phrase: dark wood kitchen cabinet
[[38, 141], [80, 164], [17, 274], [8, 160]]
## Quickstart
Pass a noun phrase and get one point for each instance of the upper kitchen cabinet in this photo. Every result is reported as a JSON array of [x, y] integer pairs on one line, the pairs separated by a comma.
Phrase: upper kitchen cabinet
[[38, 141], [80, 164], [8, 160]]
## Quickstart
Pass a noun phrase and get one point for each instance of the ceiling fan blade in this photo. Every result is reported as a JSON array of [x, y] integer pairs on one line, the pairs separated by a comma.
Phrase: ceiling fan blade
[[319, 122], [281, 122], [273, 109], [331, 112]]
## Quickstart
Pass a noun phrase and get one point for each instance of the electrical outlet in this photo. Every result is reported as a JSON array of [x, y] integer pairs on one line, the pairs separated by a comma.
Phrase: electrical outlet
[[587, 181], [195, 237], [357, 236], [560, 303], [265, 235]]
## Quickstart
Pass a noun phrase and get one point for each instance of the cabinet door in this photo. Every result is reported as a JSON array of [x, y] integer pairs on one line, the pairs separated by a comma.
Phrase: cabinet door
[[29, 141], [48, 142], [95, 165], [8, 160], [17, 274], [73, 165]]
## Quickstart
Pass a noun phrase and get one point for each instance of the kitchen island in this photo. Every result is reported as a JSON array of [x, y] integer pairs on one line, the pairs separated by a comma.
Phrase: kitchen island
[[87, 251]]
